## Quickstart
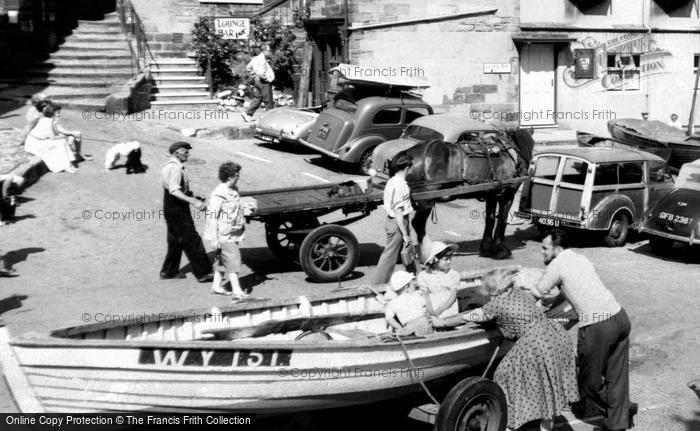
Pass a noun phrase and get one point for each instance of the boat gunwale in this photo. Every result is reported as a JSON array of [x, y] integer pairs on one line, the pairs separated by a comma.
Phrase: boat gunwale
[[475, 330]]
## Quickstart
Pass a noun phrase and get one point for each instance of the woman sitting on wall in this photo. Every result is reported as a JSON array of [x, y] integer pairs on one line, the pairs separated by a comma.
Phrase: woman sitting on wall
[[46, 142]]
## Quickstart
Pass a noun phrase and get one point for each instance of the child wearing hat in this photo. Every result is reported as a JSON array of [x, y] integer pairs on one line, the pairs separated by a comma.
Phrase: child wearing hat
[[407, 312], [440, 280]]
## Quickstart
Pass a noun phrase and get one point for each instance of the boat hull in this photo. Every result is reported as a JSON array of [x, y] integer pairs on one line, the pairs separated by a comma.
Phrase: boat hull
[[590, 140], [174, 364]]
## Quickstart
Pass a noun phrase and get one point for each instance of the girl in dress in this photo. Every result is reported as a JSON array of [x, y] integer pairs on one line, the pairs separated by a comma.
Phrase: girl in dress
[[538, 375], [440, 279]]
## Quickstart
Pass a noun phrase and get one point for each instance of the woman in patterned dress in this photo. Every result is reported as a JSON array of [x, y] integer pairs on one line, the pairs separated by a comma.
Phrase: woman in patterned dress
[[538, 374]]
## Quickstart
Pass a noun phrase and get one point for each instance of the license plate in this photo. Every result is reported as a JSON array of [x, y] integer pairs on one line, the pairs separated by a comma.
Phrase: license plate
[[266, 138], [674, 218], [548, 222]]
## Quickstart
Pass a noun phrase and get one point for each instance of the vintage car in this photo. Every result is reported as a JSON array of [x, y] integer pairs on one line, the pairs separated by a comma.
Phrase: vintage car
[[445, 127], [676, 216], [596, 189], [286, 125], [350, 129]]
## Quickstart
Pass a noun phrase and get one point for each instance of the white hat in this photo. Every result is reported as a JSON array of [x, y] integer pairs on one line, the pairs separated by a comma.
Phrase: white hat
[[400, 279], [437, 247]]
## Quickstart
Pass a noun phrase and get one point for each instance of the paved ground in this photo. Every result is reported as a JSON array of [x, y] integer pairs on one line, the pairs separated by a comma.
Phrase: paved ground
[[72, 258]]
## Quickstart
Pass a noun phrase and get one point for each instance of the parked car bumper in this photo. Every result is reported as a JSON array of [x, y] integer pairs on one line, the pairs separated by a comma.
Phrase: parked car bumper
[[691, 240], [319, 149]]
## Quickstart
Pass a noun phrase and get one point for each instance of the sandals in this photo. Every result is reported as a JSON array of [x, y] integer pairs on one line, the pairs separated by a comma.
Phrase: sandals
[[240, 296]]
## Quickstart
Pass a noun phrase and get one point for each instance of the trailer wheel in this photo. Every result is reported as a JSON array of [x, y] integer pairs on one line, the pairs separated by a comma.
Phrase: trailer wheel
[[281, 242], [329, 253], [475, 403], [617, 234]]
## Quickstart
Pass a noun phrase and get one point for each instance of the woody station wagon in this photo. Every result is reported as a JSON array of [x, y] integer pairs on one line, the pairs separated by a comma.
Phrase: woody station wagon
[[598, 189]]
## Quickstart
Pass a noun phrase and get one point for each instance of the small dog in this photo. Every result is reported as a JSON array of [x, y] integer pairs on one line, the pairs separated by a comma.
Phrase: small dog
[[131, 151]]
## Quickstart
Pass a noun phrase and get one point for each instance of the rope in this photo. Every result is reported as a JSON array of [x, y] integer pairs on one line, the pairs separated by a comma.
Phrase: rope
[[493, 358], [414, 369]]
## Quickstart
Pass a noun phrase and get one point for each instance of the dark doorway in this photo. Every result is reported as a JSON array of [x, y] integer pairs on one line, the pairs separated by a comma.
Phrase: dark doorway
[[327, 54]]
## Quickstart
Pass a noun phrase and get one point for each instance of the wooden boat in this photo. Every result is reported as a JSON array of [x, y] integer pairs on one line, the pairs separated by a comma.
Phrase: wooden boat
[[591, 140], [655, 134], [264, 357]]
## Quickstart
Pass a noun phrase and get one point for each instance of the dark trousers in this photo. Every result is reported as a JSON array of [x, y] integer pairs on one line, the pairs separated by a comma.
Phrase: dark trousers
[[264, 93], [603, 378], [182, 236]]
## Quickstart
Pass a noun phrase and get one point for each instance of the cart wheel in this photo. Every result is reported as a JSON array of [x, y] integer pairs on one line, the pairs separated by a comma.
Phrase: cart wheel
[[329, 253], [475, 403], [617, 234], [660, 245], [283, 244]]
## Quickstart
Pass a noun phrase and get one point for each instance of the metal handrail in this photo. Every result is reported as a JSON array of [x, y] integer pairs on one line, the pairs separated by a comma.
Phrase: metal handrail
[[133, 27]]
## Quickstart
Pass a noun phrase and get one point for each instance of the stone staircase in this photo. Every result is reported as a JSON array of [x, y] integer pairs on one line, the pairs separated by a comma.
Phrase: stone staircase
[[79, 75], [178, 85]]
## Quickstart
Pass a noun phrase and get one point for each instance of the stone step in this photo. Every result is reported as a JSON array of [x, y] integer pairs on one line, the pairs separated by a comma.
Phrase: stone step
[[172, 54], [88, 104], [195, 95], [176, 88], [96, 38], [180, 80], [62, 82], [90, 55], [118, 45], [208, 104], [75, 93], [82, 64], [96, 33], [182, 71], [80, 73], [108, 22], [173, 61]]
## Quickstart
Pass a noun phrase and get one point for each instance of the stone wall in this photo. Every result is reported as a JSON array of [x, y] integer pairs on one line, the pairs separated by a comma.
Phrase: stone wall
[[449, 45]]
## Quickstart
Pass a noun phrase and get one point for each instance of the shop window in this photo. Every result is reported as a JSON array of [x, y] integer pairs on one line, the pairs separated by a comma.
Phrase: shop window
[[623, 71]]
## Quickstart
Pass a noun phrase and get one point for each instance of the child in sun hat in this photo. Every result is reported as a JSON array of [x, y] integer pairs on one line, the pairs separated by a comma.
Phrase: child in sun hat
[[440, 280], [407, 312]]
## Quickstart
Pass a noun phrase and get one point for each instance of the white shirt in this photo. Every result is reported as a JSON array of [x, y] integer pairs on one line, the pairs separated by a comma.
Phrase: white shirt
[[677, 124], [581, 285], [397, 197], [260, 68], [406, 307]]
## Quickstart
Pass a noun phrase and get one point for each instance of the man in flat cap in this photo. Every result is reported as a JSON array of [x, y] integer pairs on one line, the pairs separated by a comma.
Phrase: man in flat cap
[[182, 235]]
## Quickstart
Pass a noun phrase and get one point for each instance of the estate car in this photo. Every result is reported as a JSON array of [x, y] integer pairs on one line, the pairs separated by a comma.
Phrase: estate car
[[676, 216], [597, 189]]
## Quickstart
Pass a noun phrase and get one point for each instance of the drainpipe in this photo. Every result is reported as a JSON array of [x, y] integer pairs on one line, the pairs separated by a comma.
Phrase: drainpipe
[[346, 31], [646, 84]]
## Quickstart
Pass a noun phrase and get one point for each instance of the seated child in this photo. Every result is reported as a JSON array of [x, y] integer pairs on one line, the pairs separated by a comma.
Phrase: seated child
[[440, 280], [407, 313]]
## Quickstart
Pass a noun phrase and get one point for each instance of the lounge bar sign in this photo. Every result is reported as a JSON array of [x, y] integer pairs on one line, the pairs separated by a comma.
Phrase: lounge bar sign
[[232, 28]]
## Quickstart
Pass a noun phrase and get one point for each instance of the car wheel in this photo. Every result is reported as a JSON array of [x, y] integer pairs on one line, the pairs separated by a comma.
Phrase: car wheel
[[475, 403], [329, 253], [660, 245], [366, 161], [617, 234]]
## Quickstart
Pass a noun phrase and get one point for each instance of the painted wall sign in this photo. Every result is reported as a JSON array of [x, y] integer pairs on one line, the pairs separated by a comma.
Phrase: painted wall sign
[[636, 56], [496, 67], [214, 358], [584, 63], [232, 28]]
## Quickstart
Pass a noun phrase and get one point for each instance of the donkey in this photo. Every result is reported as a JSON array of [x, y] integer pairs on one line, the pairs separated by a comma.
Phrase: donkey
[[497, 156]]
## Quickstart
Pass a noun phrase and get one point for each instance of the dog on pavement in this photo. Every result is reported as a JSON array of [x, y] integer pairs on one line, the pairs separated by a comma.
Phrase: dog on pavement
[[131, 151]]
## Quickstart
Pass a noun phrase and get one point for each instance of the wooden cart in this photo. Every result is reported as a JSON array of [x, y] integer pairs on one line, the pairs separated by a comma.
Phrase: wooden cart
[[330, 252]]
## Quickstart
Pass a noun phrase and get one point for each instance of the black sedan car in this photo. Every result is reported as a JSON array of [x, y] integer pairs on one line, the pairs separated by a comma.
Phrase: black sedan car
[[676, 216]]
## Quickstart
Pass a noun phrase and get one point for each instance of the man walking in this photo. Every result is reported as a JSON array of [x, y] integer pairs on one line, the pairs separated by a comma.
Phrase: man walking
[[182, 234], [263, 75], [603, 334]]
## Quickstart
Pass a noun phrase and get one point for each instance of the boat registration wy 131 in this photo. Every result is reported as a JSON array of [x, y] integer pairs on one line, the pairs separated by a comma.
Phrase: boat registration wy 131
[[214, 358]]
